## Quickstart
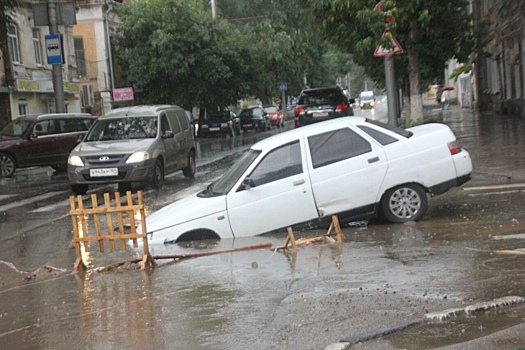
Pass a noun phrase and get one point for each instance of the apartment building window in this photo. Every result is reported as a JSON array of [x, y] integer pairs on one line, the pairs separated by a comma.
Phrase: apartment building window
[[22, 107], [79, 54], [37, 46], [12, 41]]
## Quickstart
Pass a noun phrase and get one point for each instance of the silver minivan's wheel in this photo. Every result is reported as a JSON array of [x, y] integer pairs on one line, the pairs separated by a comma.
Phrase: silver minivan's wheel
[[189, 170], [79, 189], [404, 203], [7, 165], [157, 179]]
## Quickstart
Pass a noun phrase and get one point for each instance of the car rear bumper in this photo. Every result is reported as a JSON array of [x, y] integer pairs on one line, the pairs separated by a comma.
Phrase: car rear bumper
[[447, 185]]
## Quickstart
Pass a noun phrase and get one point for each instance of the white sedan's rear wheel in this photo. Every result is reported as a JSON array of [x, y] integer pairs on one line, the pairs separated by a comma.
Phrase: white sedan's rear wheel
[[404, 203]]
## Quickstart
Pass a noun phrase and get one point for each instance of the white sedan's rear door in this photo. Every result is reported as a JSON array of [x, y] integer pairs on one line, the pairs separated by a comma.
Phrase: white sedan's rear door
[[282, 195], [347, 170]]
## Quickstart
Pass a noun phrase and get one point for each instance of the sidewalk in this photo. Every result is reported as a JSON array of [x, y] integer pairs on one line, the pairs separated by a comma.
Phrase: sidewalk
[[496, 142]]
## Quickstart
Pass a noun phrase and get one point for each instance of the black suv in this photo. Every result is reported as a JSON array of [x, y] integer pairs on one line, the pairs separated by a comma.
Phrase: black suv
[[316, 105], [221, 123], [44, 140], [255, 118]]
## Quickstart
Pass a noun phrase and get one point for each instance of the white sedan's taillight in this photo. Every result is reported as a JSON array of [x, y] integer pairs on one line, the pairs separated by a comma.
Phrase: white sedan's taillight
[[454, 147]]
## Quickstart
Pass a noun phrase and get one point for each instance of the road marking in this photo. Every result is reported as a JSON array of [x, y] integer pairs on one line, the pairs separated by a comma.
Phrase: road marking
[[493, 187], [30, 200], [5, 196], [493, 193]]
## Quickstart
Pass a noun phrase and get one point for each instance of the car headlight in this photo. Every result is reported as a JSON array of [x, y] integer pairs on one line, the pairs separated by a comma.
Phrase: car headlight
[[138, 157], [75, 161], [204, 126]]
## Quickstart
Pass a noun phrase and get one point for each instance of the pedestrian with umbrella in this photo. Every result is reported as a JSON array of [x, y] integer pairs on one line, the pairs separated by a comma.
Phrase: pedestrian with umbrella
[[445, 96]]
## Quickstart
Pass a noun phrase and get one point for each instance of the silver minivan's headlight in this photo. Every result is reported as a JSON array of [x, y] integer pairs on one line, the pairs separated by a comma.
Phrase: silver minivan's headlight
[[138, 157], [75, 161]]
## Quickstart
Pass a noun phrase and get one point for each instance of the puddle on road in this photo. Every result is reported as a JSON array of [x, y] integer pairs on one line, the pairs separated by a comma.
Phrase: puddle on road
[[458, 330]]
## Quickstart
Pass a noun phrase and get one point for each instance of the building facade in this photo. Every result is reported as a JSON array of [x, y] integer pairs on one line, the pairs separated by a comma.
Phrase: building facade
[[499, 65], [96, 22], [27, 78]]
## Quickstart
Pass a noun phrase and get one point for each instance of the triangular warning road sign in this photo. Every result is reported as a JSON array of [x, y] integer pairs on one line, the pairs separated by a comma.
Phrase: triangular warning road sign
[[381, 51]]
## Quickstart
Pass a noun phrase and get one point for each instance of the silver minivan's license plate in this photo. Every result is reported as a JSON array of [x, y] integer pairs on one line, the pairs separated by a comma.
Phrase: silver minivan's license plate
[[103, 172]]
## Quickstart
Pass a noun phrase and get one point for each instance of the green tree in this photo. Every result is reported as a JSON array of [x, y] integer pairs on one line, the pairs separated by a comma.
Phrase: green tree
[[6, 6], [174, 52], [431, 32], [285, 46]]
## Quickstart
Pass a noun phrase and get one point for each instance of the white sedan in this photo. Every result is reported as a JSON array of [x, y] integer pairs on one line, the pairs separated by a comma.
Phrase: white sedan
[[354, 167]]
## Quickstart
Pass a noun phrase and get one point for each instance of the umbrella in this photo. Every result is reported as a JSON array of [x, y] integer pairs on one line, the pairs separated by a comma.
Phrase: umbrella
[[447, 88]]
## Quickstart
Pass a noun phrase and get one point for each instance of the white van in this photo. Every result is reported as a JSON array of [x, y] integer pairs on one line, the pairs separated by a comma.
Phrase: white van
[[133, 144], [367, 99]]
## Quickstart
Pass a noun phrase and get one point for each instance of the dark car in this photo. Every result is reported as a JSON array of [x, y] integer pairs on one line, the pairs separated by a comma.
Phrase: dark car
[[318, 104], [221, 123], [254, 118], [44, 140]]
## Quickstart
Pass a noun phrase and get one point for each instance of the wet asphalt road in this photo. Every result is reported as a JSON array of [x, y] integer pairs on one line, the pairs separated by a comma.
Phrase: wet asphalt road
[[381, 278]]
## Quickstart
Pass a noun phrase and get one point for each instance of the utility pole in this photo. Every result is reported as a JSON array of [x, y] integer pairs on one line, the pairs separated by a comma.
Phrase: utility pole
[[58, 82], [388, 54]]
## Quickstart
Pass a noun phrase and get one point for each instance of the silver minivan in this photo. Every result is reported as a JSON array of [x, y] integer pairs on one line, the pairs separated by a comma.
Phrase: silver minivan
[[133, 144]]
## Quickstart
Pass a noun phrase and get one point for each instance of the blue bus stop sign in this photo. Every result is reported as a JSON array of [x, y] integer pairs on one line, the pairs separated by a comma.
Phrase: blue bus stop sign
[[54, 49]]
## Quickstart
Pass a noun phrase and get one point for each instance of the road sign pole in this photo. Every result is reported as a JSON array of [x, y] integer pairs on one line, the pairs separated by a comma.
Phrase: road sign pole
[[391, 89], [58, 82]]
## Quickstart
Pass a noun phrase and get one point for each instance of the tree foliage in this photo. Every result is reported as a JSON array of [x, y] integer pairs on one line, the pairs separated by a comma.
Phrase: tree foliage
[[173, 52], [6, 6], [431, 32]]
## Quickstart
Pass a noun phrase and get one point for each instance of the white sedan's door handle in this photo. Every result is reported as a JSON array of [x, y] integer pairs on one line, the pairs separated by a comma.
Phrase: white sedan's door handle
[[373, 160], [298, 182]]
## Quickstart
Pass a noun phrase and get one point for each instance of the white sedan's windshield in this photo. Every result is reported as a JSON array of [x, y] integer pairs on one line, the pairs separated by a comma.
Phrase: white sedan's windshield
[[223, 185]]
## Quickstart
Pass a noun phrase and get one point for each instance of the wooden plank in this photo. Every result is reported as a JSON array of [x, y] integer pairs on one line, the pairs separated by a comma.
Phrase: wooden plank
[[120, 221], [74, 218], [96, 221], [103, 210], [113, 238], [109, 222], [83, 224], [131, 214], [335, 223]]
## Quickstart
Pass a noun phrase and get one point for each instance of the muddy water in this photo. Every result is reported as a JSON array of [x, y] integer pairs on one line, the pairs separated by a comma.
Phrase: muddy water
[[381, 276]]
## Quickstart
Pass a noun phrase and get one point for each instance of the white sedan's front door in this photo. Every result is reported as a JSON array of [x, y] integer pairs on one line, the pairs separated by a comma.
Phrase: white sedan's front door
[[280, 195]]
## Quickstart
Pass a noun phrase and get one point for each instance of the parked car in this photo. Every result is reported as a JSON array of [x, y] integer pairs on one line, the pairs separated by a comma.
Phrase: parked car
[[254, 118], [43, 140], [352, 167], [319, 104], [221, 123], [133, 144], [276, 116]]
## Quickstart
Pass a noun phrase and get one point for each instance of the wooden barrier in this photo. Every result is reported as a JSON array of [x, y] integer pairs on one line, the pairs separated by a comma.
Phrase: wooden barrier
[[80, 217], [290, 238]]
